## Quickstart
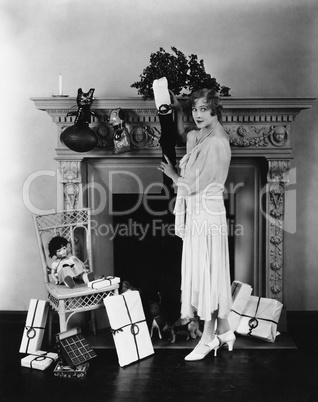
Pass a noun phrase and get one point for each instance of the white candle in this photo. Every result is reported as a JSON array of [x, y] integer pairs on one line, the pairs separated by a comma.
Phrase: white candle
[[60, 85]]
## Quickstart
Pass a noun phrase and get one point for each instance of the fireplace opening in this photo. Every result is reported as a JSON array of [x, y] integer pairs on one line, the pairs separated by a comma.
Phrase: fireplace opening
[[147, 253]]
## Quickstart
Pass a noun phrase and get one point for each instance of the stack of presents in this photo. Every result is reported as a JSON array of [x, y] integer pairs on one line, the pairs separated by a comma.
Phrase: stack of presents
[[73, 351], [250, 316], [254, 316], [128, 326]]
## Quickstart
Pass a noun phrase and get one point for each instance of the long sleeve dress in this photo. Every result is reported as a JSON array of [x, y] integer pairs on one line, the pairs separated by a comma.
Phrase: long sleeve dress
[[201, 222]]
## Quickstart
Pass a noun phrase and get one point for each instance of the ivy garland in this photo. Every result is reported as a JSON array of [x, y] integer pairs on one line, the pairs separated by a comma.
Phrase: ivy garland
[[185, 74]]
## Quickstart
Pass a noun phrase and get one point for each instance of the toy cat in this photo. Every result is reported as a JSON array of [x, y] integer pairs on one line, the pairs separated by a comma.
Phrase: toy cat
[[79, 137], [188, 328]]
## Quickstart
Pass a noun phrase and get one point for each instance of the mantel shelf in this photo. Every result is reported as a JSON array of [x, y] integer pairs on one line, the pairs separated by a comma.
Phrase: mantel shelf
[[99, 153], [66, 103], [257, 127]]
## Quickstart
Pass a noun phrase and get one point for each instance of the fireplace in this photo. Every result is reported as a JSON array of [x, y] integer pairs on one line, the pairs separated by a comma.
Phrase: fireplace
[[137, 256], [147, 253], [260, 132]]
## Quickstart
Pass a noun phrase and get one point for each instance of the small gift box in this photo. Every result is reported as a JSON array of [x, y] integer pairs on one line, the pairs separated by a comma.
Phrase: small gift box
[[74, 373], [260, 318], [241, 293], [39, 360], [104, 282], [35, 325], [73, 348], [129, 327]]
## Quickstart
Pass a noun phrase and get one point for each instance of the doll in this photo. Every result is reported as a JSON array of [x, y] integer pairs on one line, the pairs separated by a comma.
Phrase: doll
[[66, 268], [121, 135], [188, 328]]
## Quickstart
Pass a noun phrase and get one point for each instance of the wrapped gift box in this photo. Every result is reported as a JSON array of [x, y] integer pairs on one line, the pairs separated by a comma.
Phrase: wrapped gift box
[[77, 373], [39, 360], [260, 318], [104, 282], [73, 348], [35, 325], [241, 293], [129, 327]]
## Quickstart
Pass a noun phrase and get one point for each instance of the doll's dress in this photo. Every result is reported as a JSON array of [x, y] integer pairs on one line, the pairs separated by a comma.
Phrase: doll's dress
[[71, 266]]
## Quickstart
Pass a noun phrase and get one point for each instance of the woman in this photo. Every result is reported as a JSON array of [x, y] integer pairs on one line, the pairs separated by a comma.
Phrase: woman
[[201, 222]]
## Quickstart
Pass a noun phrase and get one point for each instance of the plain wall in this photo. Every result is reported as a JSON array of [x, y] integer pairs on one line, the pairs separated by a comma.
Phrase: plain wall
[[263, 48]]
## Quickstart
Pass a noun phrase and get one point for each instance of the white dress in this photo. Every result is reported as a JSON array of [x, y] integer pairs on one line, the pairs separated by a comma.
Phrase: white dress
[[69, 266], [201, 222]]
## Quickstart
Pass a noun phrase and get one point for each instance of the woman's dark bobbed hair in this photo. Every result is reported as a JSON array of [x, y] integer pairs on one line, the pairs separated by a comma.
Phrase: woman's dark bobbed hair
[[212, 99]]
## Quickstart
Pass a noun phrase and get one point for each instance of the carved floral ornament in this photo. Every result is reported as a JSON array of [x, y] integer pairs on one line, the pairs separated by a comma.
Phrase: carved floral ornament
[[276, 257], [278, 171], [71, 195], [145, 136], [142, 127], [70, 171], [277, 181], [247, 136], [148, 136]]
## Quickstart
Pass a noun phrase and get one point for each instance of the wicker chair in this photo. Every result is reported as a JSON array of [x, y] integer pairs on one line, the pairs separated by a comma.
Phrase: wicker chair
[[75, 225]]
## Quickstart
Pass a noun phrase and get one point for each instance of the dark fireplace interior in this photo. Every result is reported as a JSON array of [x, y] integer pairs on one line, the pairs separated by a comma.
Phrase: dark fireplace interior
[[150, 259]]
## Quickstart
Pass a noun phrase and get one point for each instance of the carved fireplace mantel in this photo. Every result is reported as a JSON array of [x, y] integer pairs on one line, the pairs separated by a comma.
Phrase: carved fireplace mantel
[[259, 129]]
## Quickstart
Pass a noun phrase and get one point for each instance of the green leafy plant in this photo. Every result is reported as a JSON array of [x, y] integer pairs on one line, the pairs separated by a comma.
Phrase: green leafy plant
[[185, 74]]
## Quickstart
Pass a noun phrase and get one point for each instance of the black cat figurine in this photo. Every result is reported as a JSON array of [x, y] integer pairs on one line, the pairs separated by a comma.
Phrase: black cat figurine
[[79, 137]]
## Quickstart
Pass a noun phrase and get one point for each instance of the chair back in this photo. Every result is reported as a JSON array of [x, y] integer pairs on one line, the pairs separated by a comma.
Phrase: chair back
[[74, 225]]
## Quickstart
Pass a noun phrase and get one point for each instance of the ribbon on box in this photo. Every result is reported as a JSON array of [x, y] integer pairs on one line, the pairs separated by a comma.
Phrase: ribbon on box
[[31, 330], [39, 358], [134, 329], [108, 278], [97, 280], [34, 327], [240, 293], [253, 322], [130, 330]]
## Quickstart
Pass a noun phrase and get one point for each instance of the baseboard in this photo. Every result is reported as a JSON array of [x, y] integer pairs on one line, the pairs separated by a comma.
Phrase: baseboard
[[294, 318], [9, 316], [304, 320], [303, 313], [17, 316], [104, 340]]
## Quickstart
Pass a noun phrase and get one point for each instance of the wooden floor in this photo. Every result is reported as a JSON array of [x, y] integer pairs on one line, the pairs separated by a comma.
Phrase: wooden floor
[[255, 374]]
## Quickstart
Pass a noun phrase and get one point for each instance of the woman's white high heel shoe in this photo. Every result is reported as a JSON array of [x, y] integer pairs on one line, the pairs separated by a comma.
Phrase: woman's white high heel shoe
[[227, 338], [195, 355]]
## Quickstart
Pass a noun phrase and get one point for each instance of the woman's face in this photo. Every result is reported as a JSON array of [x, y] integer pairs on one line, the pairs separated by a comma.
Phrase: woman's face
[[201, 113]]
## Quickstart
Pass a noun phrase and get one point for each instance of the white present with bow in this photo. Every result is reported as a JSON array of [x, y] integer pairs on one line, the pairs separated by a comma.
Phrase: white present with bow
[[241, 293], [102, 283], [39, 360], [129, 328], [260, 318], [35, 325]]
